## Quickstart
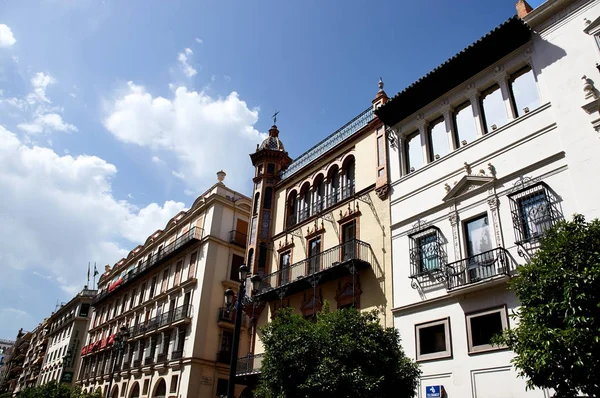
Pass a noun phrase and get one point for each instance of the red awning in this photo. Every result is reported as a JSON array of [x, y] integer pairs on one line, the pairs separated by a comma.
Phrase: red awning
[[111, 338], [84, 350], [115, 284]]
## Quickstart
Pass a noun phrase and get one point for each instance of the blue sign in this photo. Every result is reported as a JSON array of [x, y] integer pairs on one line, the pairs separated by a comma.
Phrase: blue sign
[[433, 392]]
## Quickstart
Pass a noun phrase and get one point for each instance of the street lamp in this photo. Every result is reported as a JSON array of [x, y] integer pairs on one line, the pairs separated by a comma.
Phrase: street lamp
[[238, 305], [117, 350]]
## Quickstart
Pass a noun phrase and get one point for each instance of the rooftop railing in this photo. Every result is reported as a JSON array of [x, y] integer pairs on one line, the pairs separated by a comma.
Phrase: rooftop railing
[[346, 131], [166, 252]]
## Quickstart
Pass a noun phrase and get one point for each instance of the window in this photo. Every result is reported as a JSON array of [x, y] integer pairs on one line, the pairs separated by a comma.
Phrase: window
[[292, 210], [192, 266], [268, 197], [165, 281], [262, 257], [256, 201], [270, 168], [319, 195], [221, 387], [414, 152], [481, 258], [314, 254], [464, 124], [533, 211], [259, 170], [334, 186], [84, 310], [304, 211], [524, 91], [349, 239], [483, 326], [426, 252], [142, 291], [349, 175], [438, 139], [226, 340], [494, 112], [236, 262], [284, 266], [251, 259], [380, 151], [152, 285], [433, 340], [173, 385]]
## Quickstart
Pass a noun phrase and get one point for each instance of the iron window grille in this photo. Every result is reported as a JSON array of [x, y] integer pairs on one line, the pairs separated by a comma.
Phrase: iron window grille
[[534, 210], [427, 254]]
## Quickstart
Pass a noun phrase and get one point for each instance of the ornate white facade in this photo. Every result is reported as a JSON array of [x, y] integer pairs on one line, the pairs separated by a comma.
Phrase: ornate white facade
[[480, 168]]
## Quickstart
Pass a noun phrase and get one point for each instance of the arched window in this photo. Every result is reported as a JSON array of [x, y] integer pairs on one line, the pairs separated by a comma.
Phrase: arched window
[[334, 186], [135, 391], [349, 178], [256, 202], [268, 198], [304, 207], [160, 390], [292, 209], [319, 193]]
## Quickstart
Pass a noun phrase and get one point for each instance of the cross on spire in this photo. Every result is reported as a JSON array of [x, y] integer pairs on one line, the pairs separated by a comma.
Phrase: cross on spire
[[275, 118]]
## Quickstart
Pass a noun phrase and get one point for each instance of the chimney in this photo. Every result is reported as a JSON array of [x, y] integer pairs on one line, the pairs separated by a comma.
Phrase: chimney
[[523, 8]]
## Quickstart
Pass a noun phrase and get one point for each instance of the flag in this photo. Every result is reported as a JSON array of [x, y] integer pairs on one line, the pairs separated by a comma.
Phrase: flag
[[95, 270], [88, 273]]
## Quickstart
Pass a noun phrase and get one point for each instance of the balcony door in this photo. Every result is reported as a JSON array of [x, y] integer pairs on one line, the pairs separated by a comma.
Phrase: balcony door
[[349, 241], [479, 246], [314, 254]]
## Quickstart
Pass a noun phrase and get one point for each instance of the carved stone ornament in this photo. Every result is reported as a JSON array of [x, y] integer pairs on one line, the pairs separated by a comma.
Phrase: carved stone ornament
[[382, 191], [467, 168], [588, 88]]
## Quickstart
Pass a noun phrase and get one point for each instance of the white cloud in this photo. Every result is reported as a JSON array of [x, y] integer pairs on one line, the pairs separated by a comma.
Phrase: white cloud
[[18, 103], [183, 57], [40, 82], [47, 123], [7, 39], [52, 204], [199, 41], [227, 78], [179, 175], [39, 274], [205, 134], [157, 160]]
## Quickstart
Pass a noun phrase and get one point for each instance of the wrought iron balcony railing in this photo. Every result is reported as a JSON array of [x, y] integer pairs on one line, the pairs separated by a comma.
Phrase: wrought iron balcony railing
[[179, 313], [250, 364], [229, 317], [476, 268], [349, 129], [353, 251], [237, 238], [168, 251]]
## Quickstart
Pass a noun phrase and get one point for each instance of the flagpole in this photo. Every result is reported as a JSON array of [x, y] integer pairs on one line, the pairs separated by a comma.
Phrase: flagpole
[[88, 274], [95, 287]]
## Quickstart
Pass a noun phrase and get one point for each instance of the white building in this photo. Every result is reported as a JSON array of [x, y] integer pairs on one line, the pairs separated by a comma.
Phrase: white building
[[486, 152], [64, 336]]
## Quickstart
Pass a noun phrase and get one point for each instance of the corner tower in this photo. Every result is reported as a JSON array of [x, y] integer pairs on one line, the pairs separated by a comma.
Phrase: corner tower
[[268, 161]]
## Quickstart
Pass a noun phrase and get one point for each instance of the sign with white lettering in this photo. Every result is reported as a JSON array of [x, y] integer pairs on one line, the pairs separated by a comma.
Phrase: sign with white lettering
[[433, 392]]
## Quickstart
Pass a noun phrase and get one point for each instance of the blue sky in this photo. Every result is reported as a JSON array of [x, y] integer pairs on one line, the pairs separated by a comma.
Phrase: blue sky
[[115, 115]]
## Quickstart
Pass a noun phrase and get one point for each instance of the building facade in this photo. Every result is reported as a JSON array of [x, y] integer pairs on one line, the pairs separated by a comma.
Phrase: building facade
[[486, 152], [319, 228], [5, 346], [34, 357], [169, 294], [13, 362], [65, 335]]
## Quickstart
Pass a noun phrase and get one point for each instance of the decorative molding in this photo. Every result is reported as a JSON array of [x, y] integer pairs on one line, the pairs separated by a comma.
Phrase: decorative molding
[[466, 184], [317, 230], [285, 245], [454, 218], [349, 214], [383, 191]]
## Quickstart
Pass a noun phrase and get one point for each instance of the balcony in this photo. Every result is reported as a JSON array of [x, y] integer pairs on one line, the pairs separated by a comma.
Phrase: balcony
[[328, 265], [474, 269], [178, 245], [229, 317], [161, 357], [224, 357], [237, 238], [167, 319], [250, 364]]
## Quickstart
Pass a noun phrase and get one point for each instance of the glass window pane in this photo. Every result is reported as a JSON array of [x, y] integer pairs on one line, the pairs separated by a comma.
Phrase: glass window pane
[[432, 339], [439, 139], [466, 129], [428, 248], [493, 109], [484, 327], [414, 152], [535, 213], [525, 92], [479, 239]]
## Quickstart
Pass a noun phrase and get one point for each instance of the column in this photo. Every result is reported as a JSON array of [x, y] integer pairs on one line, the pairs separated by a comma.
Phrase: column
[[473, 97], [423, 125], [449, 122], [502, 80], [402, 154]]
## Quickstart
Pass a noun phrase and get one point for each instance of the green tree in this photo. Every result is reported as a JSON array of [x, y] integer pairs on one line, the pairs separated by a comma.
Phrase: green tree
[[343, 354], [557, 340], [55, 390]]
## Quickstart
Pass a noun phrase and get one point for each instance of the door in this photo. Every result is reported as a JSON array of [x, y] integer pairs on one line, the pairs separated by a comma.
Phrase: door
[[314, 254], [241, 230], [479, 244], [349, 241]]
